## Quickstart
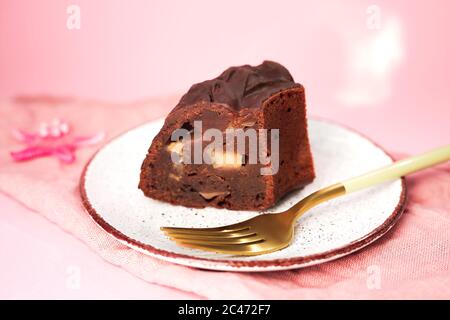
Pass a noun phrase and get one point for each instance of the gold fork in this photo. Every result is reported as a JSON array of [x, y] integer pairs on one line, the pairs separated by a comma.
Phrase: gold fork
[[271, 232]]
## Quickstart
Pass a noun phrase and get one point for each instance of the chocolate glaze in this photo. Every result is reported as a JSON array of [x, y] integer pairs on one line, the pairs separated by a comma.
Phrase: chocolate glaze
[[241, 87]]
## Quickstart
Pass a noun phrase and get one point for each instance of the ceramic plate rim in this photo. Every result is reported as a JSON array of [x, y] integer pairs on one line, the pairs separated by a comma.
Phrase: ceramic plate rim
[[247, 265]]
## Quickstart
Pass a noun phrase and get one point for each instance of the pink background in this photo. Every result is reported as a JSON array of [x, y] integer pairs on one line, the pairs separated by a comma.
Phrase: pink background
[[390, 83]]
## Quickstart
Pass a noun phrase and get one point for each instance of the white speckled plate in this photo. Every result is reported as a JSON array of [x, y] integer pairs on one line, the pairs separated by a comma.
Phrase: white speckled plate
[[334, 229]]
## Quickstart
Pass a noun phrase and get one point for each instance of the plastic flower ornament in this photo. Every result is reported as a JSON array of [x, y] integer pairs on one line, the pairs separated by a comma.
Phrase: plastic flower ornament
[[53, 139]]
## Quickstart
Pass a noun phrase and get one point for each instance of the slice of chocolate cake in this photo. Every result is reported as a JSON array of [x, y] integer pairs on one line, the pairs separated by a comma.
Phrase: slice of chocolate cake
[[238, 141]]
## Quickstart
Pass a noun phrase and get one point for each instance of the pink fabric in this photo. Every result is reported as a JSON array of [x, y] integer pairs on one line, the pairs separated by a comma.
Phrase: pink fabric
[[413, 260]]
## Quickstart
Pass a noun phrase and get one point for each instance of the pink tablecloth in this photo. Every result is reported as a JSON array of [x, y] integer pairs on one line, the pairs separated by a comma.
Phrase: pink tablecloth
[[411, 261]]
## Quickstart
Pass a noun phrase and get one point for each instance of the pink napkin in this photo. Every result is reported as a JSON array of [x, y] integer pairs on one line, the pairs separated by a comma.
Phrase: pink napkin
[[411, 261]]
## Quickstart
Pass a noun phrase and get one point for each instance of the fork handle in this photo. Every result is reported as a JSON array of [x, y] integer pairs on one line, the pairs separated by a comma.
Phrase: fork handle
[[398, 169]]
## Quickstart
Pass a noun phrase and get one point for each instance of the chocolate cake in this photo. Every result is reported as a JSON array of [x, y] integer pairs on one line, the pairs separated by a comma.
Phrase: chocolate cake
[[262, 102]]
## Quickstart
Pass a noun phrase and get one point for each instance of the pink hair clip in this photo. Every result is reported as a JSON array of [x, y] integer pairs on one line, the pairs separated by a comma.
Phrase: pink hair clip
[[52, 139]]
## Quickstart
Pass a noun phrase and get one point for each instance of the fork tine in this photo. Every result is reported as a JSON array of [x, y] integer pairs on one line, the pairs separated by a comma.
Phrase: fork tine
[[233, 228], [240, 249], [223, 241], [207, 236]]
